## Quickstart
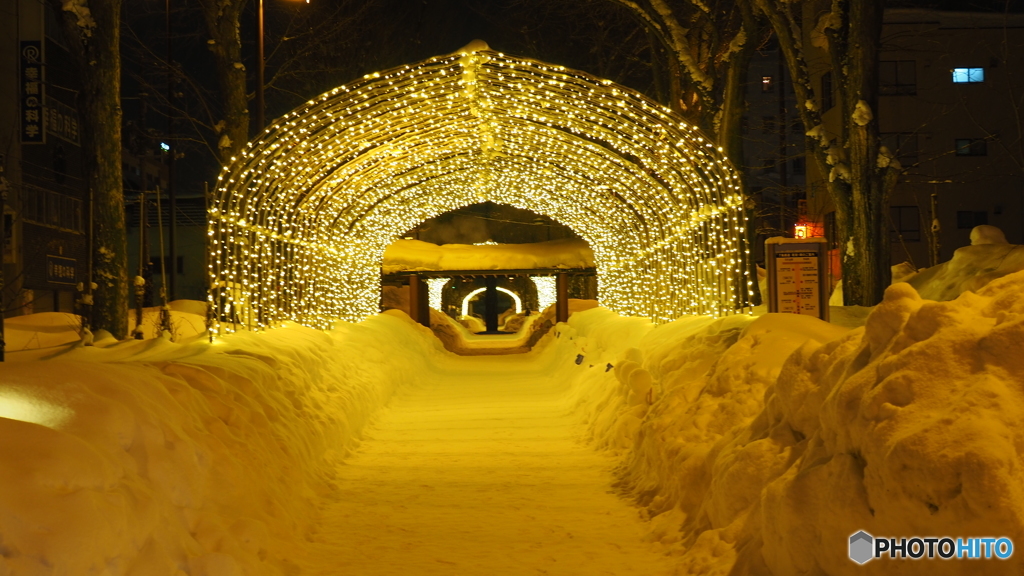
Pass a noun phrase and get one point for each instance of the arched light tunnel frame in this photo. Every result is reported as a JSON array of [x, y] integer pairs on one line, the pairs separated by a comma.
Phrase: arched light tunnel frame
[[516, 300], [300, 220]]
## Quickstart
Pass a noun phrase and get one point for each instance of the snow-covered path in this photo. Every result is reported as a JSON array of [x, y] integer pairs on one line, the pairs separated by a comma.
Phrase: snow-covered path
[[477, 471]]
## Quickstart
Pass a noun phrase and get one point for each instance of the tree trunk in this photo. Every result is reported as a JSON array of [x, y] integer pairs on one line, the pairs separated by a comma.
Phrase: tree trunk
[[849, 161], [222, 25], [866, 271], [95, 47]]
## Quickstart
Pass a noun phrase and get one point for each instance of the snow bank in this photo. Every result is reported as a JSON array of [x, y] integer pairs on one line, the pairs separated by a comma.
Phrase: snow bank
[[460, 336], [988, 257], [50, 329], [149, 457], [971, 268], [412, 255], [758, 446]]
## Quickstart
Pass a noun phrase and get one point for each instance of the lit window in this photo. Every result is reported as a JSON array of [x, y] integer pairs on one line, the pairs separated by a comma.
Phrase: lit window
[[965, 75]]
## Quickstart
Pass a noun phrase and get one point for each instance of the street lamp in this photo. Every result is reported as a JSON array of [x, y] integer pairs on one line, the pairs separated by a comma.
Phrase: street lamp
[[260, 66]]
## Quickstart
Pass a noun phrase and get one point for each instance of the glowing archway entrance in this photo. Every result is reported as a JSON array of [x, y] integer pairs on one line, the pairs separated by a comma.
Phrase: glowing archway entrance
[[515, 299], [299, 223]]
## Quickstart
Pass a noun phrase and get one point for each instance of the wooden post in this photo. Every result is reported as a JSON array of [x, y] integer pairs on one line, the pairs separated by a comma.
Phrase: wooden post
[[491, 303], [562, 297], [424, 300], [417, 301]]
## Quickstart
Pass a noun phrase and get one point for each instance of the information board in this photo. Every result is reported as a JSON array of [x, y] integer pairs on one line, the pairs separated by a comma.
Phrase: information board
[[798, 282], [797, 276]]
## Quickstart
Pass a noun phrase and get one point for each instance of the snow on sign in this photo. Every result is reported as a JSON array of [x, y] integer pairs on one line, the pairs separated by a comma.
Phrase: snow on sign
[[797, 276]]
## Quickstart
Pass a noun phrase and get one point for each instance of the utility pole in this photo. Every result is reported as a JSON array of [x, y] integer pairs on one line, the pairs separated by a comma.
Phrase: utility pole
[[140, 283], [782, 164], [171, 152], [933, 243], [260, 65], [3, 250]]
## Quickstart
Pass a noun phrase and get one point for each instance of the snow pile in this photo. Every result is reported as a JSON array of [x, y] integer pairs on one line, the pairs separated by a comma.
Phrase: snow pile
[[760, 445], [988, 257], [413, 255], [971, 268], [188, 319], [460, 336], [50, 329], [149, 457], [41, 330]]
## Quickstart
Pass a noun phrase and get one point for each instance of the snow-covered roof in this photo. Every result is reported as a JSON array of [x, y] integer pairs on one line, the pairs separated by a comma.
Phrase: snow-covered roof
[[414, 255]]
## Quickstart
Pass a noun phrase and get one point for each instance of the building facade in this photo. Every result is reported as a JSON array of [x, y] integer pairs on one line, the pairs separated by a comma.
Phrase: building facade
[[773, 149], [46, 207], [951, 88]]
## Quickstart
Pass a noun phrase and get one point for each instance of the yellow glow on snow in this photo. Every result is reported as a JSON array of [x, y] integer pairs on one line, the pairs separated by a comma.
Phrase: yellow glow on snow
[[17, 406], [300, 221], [474, 293]]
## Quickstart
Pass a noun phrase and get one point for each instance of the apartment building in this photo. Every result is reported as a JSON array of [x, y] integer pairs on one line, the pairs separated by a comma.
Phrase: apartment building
[[951, 86]]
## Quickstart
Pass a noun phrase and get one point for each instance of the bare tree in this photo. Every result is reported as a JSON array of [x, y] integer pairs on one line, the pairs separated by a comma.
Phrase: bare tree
[[708, 45], [222, 24], [92, 29], [860, 172], [306, 54]]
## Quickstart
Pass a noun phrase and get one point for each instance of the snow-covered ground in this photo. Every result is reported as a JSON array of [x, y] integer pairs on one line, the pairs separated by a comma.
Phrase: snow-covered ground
[[476, 470], [742, 445], [150, 457]]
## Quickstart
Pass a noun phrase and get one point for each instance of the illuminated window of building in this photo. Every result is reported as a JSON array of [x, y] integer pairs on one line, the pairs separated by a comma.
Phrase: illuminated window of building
[[968, 75]]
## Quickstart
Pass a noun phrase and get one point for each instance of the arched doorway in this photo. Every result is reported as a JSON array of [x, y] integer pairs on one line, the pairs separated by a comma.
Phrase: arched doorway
[[299, 222]]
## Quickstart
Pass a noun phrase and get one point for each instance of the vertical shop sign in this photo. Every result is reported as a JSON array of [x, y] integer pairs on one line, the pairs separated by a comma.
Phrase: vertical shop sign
[[33, 128]]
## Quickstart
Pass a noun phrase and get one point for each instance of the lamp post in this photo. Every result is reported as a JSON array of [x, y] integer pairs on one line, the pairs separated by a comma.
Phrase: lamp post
[[172, 195]]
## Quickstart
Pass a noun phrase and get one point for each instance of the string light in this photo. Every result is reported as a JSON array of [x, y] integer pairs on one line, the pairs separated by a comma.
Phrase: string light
[[547, 292], [434, 288], [299, 222], [517, 301]]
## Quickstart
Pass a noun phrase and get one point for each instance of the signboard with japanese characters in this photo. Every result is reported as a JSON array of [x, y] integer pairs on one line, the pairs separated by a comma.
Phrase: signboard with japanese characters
[[61, 121], [60, 270], [798, 280], [33, 118]]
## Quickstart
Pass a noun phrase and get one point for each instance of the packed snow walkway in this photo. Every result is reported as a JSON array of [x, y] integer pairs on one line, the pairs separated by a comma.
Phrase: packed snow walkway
[[476, 470]]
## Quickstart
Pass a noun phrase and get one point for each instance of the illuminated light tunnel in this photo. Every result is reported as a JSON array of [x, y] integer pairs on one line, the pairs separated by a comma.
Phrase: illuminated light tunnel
[[300, 220], [517, 302]]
